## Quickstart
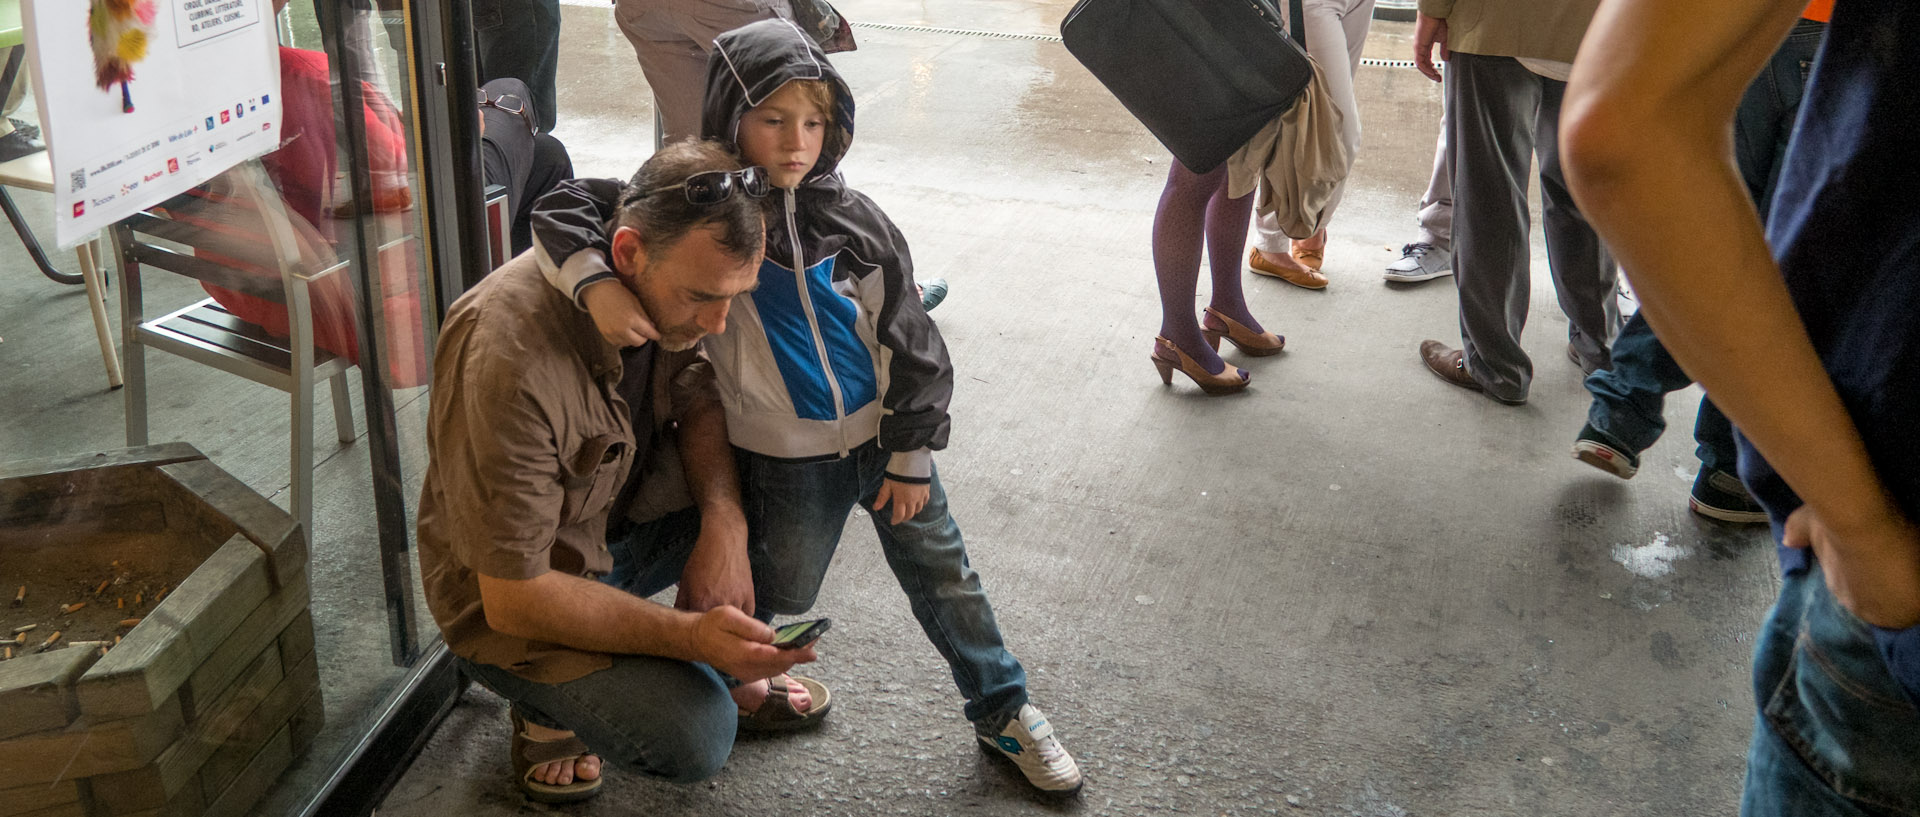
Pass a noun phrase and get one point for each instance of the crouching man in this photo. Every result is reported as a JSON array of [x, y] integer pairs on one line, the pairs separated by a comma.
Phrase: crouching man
[[549, 451]]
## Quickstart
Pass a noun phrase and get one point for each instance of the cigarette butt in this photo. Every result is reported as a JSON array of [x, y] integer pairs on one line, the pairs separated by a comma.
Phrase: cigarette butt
[[9, 653], [51, 639], [20, 597], [120, 603], [114, 563], [136, 597], [24, 628], [163, 592], [116, 640], [103, 586], [20, 639], [130, 622], [68, 608]]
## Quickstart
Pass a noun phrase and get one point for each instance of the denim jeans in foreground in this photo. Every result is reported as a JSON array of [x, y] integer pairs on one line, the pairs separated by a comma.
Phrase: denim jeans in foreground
[[1835, 733], [795, 514]]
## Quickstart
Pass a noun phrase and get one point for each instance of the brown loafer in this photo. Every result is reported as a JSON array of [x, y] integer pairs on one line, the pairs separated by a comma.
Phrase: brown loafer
[[1451, 365], [1305, 279]]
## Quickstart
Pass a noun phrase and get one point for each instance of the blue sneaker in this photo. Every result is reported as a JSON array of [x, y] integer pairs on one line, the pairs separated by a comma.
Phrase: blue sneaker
[[932, 293]]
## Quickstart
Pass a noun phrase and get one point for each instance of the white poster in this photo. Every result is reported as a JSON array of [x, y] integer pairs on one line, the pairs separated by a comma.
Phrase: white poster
[[143, 99]]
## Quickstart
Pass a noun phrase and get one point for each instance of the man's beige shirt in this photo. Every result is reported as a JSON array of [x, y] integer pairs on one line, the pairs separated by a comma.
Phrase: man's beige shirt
[[529, 443], [1539, 29]]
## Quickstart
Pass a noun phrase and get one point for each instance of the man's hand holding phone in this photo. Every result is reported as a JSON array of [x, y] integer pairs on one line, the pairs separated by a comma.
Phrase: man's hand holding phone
[[741, 646]]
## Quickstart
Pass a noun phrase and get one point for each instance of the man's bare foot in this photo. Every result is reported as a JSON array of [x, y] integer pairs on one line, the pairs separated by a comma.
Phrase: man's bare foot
[[562, 772], [749, 697]]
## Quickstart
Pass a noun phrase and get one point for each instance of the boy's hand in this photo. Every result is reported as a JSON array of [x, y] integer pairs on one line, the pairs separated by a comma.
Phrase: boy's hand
[[617, 314], [907, 499], [739, 645], [1873, 569]]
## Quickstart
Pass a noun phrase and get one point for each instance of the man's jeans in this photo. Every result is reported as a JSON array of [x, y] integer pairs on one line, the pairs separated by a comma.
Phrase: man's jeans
[[1628, 396], [656, 716], [795, 514], [1835, 734], [1628, 399], [521, 39]]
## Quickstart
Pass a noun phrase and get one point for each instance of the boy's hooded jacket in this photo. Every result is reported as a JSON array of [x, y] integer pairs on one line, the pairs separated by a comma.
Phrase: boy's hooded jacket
[[834, 343]]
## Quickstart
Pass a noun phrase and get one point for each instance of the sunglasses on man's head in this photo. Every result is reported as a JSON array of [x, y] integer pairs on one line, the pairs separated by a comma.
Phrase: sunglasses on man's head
[[713, 186]]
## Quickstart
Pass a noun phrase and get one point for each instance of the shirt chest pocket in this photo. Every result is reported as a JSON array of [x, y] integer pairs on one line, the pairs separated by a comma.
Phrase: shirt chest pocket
[[594, 473]]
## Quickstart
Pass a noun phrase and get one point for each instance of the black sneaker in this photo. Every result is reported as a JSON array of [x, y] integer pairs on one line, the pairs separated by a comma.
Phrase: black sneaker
[[1600, 450], [1720, 495]]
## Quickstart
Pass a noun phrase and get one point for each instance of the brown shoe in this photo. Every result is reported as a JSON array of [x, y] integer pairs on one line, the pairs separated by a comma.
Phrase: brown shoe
[[1303, 278], [1451, 365]]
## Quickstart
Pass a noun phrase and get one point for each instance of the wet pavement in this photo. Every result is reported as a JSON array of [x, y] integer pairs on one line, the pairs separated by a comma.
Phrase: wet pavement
[[1351, 590]]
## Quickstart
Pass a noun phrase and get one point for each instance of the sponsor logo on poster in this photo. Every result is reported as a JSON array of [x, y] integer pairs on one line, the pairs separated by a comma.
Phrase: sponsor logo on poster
[[209, 123], [173, 166], [79, 209]]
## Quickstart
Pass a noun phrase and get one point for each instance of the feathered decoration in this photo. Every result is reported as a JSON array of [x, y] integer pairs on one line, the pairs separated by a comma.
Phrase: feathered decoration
[[118, 31]]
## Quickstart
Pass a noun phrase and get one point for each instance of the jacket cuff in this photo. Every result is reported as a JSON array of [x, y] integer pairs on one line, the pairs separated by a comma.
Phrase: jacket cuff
[[912, 467], [1901, 650], [582, 269], [1440, 9]]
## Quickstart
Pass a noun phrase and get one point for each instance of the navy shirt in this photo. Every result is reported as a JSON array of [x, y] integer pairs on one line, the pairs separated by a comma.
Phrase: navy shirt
[[1845, 227]]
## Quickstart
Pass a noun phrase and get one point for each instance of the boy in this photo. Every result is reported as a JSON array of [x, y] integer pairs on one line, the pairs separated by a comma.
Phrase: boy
[[834, 380]]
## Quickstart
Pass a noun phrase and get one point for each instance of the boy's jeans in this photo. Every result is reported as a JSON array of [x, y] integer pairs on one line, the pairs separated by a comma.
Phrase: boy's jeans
[[795, 514], [1835, 733]]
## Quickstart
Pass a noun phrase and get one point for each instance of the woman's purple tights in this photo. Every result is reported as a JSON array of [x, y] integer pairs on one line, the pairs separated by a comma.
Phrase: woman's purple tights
[[1193, 208]]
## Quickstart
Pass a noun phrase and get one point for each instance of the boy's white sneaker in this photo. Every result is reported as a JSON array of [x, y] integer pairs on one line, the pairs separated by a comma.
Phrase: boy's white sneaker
[[1029, 742]]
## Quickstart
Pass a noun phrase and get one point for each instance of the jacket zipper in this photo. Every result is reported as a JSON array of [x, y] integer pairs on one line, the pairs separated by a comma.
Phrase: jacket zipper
[[813, 322]]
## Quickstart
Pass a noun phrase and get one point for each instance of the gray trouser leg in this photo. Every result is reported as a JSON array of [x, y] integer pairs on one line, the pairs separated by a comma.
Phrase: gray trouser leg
[[1492, 104], [1584, 275]]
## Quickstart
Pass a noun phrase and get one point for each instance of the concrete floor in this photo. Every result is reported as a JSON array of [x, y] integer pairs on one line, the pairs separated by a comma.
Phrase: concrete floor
[[1350, 590]]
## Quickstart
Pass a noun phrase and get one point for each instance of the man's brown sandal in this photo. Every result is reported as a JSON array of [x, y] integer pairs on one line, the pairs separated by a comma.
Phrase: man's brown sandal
[[776, 713], [530, 754]]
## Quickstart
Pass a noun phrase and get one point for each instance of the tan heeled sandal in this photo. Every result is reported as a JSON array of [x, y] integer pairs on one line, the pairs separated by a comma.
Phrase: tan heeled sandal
[[1258, 344], [1166, 357]]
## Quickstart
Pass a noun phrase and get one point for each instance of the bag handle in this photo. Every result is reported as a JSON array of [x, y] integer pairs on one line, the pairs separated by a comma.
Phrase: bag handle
[[1297, 23]]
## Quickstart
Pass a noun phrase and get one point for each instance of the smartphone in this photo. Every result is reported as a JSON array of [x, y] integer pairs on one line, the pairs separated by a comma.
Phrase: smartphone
[[800, 633]]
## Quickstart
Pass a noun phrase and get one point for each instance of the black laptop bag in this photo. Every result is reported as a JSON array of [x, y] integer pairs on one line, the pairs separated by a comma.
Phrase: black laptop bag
[[1202, 75]]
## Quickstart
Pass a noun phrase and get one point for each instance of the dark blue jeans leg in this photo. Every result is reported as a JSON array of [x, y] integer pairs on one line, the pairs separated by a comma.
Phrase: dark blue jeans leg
[[648, 557], [1836, 735], [521, 39], [795, 512], [655, 716], [1628, 397], [929, 559], [1763, 124]]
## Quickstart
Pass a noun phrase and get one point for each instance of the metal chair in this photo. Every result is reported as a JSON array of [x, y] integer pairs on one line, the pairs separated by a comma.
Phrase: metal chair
[[268, 264]]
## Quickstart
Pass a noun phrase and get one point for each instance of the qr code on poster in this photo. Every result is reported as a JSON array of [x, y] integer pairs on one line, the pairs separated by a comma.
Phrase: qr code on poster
[[78, 180]]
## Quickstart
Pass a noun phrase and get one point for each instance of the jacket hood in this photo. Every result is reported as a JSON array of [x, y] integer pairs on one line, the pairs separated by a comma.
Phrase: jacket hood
[[750, 63]]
